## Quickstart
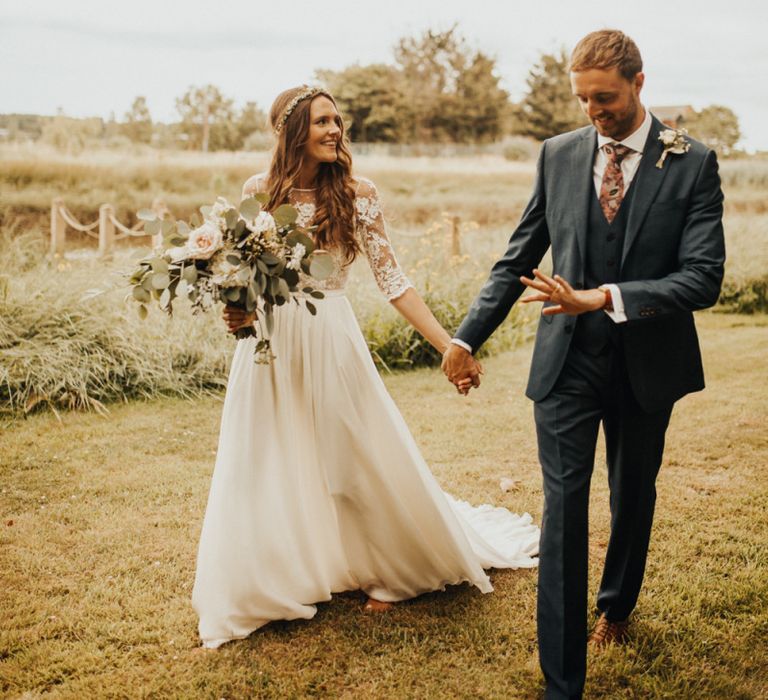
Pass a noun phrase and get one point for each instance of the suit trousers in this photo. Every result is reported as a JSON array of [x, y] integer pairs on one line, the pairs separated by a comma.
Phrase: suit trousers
[[591, 389]]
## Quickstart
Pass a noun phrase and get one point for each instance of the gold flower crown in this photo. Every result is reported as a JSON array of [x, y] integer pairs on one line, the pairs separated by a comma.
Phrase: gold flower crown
[[303, 95]]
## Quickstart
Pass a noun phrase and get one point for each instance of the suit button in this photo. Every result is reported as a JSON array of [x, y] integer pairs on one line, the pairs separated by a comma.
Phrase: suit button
[[610, 237]]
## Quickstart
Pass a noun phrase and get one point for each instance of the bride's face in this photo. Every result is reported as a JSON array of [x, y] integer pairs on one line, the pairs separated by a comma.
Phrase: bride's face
[[324, 131]]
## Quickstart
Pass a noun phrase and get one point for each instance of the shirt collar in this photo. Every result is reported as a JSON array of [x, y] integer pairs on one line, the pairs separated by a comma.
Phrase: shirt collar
[[636, 140]]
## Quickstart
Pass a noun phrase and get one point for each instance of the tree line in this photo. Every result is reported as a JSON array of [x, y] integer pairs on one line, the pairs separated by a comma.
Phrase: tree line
[[438, 89]]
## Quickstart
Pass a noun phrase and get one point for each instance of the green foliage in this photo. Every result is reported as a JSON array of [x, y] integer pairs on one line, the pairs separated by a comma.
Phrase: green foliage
[[439, 90], [717, 127], [372, 100], [207, 119], [549, 108]]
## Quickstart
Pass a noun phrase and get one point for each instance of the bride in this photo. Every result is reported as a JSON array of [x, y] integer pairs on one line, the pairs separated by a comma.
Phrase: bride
[[319, 487]]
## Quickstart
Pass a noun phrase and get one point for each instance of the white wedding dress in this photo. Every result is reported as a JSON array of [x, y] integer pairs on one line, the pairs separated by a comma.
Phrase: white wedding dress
[[319, 486]]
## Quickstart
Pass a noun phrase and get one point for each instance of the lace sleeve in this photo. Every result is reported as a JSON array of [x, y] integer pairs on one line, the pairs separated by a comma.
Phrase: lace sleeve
[[373, 238]]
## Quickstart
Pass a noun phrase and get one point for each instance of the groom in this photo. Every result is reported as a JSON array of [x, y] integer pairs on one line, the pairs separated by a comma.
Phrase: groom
[[634, 224]]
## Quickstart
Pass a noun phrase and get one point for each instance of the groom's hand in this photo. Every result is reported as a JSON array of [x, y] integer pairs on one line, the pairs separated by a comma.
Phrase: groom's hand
[[564, 298], [462, 370]]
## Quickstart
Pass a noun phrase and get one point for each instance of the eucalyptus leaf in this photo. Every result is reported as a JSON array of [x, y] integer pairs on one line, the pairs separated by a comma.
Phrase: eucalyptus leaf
[[141, 294], [195, 220], [321, 265], [232, 294], [311, 308], [250, 208], [233, 259], [295, 237], [269, 322], [146, 215], [142, 311], [291, 277], [176, 240], [166, 226], [231, 216], [158, 264], [165, 298], [182, 228], [262, 267], [285, 215], [152, 228], [317, 294], [190, 274], [160, 280], [282, 288], [269, 258], [244, 275], [261, 197], [260, 283]]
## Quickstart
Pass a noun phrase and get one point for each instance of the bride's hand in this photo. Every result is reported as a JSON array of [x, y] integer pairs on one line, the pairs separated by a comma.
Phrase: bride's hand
[[236, 318]]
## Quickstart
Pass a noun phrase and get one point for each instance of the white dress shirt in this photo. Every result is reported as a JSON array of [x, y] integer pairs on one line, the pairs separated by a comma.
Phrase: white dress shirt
[[635, 141]]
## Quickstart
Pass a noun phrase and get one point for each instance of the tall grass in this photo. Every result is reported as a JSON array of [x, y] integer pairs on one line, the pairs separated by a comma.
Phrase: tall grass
[[70, 338]]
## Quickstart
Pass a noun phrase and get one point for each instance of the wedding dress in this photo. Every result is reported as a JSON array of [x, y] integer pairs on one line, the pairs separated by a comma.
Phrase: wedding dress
[[319, 486]]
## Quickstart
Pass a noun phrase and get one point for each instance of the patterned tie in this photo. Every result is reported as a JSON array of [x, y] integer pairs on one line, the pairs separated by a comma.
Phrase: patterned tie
[[612, 187]]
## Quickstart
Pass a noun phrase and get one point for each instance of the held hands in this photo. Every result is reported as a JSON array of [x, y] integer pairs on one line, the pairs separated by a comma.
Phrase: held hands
[[565, 299], [236, 318], [462, 370]]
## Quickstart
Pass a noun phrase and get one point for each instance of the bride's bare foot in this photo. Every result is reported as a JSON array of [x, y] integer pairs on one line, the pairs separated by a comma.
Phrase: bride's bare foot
[[375, 606]]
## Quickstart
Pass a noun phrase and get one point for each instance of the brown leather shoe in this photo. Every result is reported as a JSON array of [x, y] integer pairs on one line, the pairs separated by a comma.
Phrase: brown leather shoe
[[607, 632]]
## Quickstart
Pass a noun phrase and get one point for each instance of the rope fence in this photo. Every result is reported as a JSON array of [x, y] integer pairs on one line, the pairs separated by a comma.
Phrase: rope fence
[[110, 230], [107, 224]]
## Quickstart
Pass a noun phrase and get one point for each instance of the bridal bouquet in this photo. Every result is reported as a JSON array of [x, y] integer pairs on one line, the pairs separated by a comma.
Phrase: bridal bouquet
[[242, 256]]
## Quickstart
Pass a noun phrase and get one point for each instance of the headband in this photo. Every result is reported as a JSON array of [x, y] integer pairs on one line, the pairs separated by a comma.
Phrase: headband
[[303, 95]]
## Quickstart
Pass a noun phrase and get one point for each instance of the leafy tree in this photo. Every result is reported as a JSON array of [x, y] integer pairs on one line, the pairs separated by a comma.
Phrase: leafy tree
[[371, 100], [251, 120], [549, 108], [717, 127], [207, 119], [138, 122], [451, 91]]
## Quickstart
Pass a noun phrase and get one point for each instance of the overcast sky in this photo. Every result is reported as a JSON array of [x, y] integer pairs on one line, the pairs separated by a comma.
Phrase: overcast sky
[[92, 57]]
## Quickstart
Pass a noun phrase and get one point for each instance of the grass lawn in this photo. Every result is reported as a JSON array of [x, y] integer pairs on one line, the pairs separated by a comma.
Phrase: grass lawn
[[101, 515]]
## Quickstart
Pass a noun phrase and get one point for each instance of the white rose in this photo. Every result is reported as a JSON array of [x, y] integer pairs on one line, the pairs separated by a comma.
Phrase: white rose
[[668, 137], [219, 207], [204, 241], [296, 257], [225, 274], [263, 224]]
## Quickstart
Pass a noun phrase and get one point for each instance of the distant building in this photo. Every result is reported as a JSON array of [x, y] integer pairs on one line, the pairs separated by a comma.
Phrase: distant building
[[674, 116]]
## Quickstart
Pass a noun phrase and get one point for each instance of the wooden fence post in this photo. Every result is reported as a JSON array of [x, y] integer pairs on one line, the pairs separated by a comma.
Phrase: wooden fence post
[[58, 228], [455, 236], [106, 231]]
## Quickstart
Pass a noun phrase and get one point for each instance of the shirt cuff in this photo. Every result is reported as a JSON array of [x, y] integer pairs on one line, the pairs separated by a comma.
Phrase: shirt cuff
[[462, 344], [617, 315]]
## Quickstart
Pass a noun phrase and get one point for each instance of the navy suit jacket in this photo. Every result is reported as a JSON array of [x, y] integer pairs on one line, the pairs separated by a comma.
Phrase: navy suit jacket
[[672, 263]]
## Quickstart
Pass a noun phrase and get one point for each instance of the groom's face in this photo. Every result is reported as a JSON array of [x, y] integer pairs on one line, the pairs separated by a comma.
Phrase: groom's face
[[611, 102]]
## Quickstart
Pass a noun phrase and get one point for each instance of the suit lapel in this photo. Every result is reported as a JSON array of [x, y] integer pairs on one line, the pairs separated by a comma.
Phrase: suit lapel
[[648, 179], [581, 187]]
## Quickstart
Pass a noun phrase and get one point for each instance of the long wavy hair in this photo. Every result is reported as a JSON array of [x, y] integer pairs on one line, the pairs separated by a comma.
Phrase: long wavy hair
[[335, 197]]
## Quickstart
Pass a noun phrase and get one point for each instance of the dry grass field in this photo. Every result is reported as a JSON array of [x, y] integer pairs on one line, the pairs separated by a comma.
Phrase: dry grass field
[[101, 515]]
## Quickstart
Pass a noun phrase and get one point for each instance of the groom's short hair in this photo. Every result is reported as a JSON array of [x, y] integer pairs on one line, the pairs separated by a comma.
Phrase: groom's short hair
[[605, 49]]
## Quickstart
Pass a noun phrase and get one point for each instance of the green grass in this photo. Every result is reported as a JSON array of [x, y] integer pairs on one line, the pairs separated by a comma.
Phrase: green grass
[[101, 515]]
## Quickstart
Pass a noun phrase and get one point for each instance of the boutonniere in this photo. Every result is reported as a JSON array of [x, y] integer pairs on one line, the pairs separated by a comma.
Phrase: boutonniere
[[674, 142]]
